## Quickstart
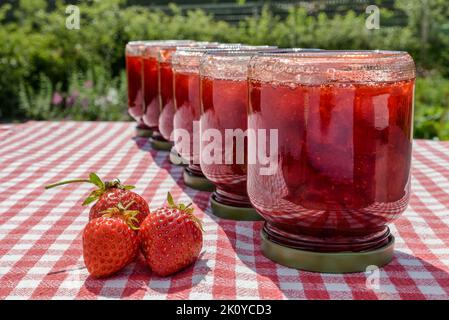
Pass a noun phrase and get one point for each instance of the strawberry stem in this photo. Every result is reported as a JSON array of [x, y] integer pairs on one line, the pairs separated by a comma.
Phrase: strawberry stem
[[102, 186], [66, 182]]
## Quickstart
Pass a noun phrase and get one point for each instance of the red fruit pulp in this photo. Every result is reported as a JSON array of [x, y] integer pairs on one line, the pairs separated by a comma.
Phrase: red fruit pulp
[[343, 165], [224, 107], [135, 96], [187, 97], [166, 100], [151, 92]]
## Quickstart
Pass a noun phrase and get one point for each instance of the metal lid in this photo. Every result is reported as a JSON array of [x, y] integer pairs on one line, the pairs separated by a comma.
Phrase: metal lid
[[160, 144], [341, 262], [197, 182], [233, 213]]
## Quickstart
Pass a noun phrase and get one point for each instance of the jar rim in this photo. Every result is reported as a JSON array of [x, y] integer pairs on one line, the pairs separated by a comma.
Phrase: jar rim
[[165, 52], [240, 51], [334, 54], [312, 67], [188, 59], [141, 47]]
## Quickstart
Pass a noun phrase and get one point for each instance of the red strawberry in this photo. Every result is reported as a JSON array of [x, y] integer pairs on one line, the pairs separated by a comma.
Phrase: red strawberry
[[109, 195], [109, 242], [171, 238], [114, 196]]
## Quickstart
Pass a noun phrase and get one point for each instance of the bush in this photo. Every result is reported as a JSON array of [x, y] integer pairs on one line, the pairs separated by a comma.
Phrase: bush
[[41, 60], [432, 108], [84, 98]]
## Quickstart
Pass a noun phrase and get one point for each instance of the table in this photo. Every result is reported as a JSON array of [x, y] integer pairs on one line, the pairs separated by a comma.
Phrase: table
[[40, 230]]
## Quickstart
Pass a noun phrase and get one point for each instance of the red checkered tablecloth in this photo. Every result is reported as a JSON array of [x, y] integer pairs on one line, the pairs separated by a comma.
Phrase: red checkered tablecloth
[[40, 231]]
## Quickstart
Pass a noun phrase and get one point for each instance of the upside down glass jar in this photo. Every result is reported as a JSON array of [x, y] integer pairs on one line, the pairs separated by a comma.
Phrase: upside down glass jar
[[186, 63], [150, 82], [166, 94], [341, 172], [151, 88], [223, 123], [133, 55]]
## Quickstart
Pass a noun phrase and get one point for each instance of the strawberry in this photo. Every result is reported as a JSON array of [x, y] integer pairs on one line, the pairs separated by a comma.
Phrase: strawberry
[[171, 238], [110, 242], [109, 195], [114, 196]]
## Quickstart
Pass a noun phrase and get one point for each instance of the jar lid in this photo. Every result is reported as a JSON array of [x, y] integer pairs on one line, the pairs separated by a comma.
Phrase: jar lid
[[333, 66], [228, 212], [197, 182], [333, 262]]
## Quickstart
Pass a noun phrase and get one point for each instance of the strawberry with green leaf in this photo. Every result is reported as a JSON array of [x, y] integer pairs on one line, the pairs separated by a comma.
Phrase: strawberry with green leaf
[[171, 238], [108, 195]]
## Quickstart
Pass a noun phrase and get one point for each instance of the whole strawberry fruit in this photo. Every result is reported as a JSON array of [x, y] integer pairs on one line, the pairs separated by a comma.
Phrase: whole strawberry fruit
[[171, 238], [109, 195], [116, 195], [110, 242]]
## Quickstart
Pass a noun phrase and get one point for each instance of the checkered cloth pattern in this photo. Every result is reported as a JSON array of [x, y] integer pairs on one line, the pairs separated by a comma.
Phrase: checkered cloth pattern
[[40, 230]]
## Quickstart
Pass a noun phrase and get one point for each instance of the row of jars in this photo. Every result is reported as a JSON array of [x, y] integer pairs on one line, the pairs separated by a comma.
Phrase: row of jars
[[334, 127]]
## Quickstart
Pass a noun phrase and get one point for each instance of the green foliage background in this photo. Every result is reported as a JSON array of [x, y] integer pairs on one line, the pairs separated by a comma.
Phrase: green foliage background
[[50, 72]]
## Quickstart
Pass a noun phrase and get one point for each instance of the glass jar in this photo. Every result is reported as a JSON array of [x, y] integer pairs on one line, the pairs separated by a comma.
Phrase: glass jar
[[133, 56], [186, 62], [344, 135], [166, 94], [223, 123], [150, 83]]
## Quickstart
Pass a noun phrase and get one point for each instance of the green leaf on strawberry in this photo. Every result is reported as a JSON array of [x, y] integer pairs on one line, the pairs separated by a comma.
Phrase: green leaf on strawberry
[[103, 186], [96, 180], [123, 212], [188, 209]]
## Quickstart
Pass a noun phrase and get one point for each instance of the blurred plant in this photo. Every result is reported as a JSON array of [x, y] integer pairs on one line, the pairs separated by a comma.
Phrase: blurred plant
[[41, 60], [432, 108], [83, 100]]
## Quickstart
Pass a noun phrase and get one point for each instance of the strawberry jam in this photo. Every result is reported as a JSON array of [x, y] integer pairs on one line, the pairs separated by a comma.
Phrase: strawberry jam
[[134, 77], [186, 63], [150, 92], [187, 97], [150, 80], [344, 122], [224, 94], [224, 105], [166, 99]]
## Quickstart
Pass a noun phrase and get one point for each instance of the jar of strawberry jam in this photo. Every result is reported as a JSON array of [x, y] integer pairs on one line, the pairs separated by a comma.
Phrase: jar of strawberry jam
[[164, 139], [150, 81], [223, 123], [186, 62], [151, 88], [133, 55], [341, 124]]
